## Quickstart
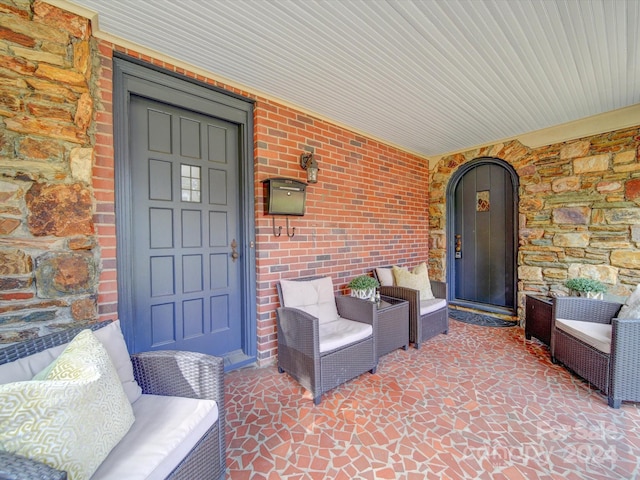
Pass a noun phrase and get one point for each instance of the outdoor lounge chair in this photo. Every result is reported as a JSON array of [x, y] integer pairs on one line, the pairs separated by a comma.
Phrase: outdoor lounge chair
[[589, 340], [324, 340], [427, 317]]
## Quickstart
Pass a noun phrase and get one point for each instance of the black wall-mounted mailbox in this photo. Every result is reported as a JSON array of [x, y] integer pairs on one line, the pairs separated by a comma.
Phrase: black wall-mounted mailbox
[[284, 196]]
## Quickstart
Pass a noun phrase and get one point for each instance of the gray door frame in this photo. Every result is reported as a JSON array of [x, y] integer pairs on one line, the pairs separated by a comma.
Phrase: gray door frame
[[131, 76], [450, 232]]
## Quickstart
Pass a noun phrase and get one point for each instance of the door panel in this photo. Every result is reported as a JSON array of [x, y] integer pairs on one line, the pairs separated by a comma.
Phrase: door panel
[[483, 211], [184, 176]]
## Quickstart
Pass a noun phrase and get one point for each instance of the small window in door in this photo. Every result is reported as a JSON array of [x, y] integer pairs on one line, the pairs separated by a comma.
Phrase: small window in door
[[190, 183], [483, 204]]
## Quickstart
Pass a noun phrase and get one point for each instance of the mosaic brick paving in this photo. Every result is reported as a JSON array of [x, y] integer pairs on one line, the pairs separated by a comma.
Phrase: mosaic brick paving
[[477, 403]]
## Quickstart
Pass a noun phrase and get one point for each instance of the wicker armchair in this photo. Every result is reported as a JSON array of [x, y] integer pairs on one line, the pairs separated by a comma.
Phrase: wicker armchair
[[302, 337], [612, 368], [168, 373], [426, 318]]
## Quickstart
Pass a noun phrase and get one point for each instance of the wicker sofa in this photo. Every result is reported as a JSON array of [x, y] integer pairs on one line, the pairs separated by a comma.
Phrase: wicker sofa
[[176, 388], [324, 340], [588, 339], [427, 317]]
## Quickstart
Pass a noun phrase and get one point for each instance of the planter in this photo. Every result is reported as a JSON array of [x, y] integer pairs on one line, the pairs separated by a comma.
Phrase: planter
[[595, 295], [363, 287], [365, 294]]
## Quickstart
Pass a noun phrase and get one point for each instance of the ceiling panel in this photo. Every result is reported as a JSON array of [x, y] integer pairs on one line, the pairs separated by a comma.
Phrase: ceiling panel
[[431, 76]]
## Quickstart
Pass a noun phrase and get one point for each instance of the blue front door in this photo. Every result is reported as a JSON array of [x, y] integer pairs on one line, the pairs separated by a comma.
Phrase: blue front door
[[186, 258]]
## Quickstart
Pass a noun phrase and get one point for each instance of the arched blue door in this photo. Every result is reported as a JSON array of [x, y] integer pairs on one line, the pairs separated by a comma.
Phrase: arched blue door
[[482, 236]]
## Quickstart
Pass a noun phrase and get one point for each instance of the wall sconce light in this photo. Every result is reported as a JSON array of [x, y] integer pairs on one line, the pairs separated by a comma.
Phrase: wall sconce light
[[308, 163]]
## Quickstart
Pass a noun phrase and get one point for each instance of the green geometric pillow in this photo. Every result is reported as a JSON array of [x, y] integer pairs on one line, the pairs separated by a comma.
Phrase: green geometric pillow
[[72, 418]]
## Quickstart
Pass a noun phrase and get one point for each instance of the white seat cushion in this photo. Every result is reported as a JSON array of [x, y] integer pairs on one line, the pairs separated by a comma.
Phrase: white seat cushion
[[342, 332], [316, 297], [165, 430], [431, 305], [597, 335]]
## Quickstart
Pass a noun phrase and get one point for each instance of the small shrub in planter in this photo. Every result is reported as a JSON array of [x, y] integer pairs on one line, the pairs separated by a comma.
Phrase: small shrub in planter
[[586, 287], [363, 286]]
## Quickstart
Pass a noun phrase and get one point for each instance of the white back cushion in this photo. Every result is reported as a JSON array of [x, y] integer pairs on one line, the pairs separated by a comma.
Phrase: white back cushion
[[25, 368], [385, 276], [631, 308], [111, 339], [315, 297]]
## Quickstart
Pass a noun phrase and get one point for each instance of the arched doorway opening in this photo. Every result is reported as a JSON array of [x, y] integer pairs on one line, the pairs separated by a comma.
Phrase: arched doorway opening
[[482, 236]]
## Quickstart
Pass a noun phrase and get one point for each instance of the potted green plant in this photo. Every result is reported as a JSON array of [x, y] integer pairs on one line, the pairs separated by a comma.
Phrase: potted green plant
[[363, 286], [586, 287]]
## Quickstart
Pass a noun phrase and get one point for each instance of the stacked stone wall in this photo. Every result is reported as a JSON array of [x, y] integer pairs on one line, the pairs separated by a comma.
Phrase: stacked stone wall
[[49, 255], [579, 211]]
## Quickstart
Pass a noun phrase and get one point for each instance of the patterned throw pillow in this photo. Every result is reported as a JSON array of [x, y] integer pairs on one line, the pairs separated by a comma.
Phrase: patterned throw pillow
[[72, 418], [417, 279]]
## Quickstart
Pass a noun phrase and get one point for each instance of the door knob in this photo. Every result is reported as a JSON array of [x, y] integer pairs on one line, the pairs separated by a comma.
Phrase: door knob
[[458, 247], [234, 250]]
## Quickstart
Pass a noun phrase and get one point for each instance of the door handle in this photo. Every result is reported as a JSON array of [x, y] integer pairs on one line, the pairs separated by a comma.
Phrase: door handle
[[458, 247], [234, 250]]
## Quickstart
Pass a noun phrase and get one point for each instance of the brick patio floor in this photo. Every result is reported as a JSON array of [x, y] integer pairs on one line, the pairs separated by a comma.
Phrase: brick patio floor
[[477, 403]]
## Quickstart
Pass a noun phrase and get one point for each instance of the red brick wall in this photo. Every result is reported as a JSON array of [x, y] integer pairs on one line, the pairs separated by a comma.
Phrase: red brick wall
[[369, 207], [104, 188]]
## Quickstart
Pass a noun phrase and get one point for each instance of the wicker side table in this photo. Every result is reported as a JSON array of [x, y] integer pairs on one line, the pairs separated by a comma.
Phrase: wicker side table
[[538, 316], [392, 325]]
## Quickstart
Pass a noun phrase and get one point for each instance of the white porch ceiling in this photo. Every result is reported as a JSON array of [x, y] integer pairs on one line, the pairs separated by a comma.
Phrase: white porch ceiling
[[430, 76]]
